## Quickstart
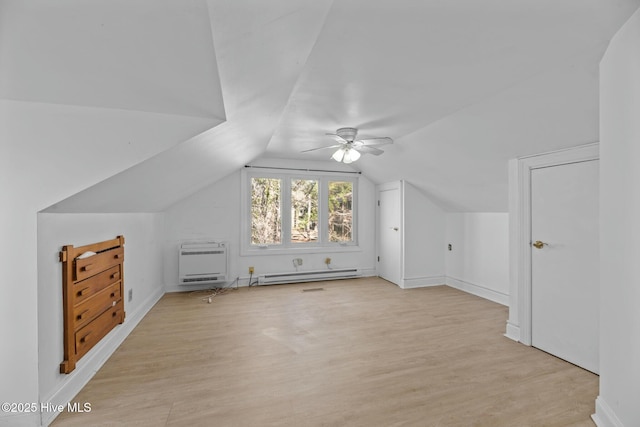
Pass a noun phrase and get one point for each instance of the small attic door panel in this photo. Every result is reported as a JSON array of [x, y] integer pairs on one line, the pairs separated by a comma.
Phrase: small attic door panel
[[390, 232]]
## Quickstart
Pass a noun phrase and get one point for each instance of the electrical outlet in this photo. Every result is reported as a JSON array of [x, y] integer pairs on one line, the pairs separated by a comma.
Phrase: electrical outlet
[[298, 261], [327, 261], [130, 294], [250, 270], [450, 247]]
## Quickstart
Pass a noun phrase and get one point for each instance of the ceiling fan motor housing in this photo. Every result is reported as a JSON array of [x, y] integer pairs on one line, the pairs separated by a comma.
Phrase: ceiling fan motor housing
[[347, 133]]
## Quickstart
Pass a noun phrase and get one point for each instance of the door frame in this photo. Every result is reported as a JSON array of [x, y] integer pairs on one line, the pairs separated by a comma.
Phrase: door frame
[[387, 186], [519, 323]]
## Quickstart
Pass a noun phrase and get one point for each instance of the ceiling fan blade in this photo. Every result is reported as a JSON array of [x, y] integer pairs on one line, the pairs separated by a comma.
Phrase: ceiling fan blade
[[368, 150], [338, 138], [371, 142], [322, 148]]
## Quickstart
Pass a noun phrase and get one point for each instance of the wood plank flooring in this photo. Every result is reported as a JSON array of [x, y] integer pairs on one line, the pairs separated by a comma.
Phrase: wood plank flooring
[[360, 352]]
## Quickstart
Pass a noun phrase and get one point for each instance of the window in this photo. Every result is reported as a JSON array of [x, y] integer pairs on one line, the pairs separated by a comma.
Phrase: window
[[305, 211], [340, 211], [266, 218]]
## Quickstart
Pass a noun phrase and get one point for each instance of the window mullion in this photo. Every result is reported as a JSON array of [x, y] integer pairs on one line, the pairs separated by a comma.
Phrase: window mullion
[[286, 211], [322, 210]]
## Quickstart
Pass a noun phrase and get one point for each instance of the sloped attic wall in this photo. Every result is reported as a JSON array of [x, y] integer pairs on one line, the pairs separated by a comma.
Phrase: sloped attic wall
[[68, 160], [260, 50], [36, 175], [153, 56], [460, 161], [72, 113], [462, 87]]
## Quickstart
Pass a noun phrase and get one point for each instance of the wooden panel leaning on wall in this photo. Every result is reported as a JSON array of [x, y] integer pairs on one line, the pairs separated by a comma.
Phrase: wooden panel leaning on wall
[[92, 290]]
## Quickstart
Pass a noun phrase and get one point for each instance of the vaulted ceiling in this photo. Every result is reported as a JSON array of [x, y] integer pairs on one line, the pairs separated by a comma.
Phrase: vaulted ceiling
[[461, 86]]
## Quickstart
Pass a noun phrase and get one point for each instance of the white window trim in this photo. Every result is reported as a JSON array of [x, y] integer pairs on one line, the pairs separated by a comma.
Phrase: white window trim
[[287, 247]]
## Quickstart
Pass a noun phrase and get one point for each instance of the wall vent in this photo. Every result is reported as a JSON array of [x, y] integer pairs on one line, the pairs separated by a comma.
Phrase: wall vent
[[202, 262]]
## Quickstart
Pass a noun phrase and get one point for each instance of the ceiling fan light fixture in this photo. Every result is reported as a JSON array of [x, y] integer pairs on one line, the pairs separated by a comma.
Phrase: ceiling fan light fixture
[[349, 148], [339, 155], [346, 155], [348, 134], [352, 154]]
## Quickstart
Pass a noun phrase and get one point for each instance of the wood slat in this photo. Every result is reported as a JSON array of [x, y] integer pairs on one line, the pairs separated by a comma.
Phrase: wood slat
[[89, 267], [97, 247], [87, 288]]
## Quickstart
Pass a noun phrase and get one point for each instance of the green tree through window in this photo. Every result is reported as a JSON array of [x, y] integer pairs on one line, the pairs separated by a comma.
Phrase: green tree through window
[[298, 212], [340, 211], [266, 216], [304, 210]]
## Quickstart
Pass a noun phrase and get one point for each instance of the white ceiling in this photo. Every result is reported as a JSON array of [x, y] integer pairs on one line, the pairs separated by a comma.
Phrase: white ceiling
[[461, 86]]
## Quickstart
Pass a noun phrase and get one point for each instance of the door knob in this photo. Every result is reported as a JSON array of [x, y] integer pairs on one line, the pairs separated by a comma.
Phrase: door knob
[[394, 228], [538, 244]]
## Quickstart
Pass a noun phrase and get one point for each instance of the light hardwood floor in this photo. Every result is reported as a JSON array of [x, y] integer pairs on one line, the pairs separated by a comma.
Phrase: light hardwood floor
[[360, 352]]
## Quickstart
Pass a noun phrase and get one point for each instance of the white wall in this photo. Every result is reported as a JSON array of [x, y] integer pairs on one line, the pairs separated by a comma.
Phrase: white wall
[[142, 274], [479, 260], [617, 404], [48, 152], [424, 237], [214, 213]]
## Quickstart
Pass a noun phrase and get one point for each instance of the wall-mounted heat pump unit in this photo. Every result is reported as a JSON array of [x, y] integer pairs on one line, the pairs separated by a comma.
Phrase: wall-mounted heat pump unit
[[202, 262]]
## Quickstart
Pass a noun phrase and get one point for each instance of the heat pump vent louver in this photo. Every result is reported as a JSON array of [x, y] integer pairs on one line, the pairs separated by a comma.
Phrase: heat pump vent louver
[[199, 279], [202, 262], [188, 253]]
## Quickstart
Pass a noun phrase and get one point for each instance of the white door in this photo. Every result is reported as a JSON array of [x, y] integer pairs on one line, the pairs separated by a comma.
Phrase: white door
[[565, 262], [390, 249]]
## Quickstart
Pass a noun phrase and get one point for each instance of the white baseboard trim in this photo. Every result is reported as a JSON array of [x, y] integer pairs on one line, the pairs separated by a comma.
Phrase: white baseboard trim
[[512, 332], [8, 419], [199, 287], [478, 290], [604, 416], [243, 281], [96, 357], [422, 282], [368, 272]]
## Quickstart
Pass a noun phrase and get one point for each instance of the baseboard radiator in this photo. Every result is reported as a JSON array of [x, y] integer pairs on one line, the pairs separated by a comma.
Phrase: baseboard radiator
[[307, 276]]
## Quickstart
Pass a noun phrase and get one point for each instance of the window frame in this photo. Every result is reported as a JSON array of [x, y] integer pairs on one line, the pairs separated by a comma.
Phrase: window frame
[[287, 246], [288, 201]]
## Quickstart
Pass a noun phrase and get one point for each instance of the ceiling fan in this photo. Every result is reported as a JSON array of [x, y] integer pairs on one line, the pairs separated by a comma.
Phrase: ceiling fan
[[349, 148]]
